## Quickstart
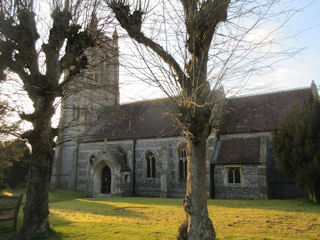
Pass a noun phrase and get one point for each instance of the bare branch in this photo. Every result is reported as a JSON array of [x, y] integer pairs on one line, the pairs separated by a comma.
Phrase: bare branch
[[132, 23]]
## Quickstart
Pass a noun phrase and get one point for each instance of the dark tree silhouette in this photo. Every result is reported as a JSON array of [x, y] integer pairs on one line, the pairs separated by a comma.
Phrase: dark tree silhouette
[[22, 50], [296, 144]]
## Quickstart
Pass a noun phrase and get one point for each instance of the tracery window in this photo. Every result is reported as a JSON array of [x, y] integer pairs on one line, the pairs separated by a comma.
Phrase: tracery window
[[182, 158], [151, 164], [234, 175]]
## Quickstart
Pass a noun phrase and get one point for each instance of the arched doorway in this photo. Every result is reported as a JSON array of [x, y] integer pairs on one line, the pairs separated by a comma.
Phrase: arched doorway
[[106, 180]]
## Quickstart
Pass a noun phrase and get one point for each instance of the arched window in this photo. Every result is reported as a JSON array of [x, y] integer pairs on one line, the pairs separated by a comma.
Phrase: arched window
[[182, 158], [234, 175], [151, 164]]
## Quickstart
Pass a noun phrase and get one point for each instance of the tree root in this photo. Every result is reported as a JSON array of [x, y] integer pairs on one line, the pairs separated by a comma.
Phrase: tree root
[[182, 232]]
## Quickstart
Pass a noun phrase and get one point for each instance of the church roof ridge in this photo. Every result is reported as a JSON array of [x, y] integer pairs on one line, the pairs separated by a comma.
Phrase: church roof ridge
[[272, 92], [261, 112], [155, 100], [150, 118], [277, 91]]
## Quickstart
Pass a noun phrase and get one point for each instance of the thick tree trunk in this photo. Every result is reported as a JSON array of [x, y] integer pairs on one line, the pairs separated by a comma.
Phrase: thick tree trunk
[[314, 195], [36, 211], [197, 225]]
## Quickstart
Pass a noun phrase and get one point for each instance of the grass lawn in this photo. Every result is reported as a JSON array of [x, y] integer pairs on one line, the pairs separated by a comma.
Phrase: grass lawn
[[74, 217]]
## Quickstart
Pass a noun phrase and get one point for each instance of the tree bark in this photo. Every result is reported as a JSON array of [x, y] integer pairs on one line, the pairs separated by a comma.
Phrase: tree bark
[[314, 195], [36, 210], [197, 225]]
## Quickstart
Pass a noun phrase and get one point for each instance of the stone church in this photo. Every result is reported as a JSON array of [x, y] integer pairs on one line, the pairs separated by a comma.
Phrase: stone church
[[111, 149]]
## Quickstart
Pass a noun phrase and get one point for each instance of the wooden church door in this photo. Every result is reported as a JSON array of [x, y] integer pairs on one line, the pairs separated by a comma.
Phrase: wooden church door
[[106, 180]]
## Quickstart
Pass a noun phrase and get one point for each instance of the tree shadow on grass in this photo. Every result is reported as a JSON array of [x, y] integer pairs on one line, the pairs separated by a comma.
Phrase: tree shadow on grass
[[6, 232], [55, 236], [142, 200], [288, 205], [101, 208]]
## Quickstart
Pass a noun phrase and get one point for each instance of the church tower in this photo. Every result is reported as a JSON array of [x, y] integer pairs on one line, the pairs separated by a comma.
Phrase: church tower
[[85, 96]]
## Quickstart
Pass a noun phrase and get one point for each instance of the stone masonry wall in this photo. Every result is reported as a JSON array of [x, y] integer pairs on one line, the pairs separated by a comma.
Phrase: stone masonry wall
[[254, 183], [85, 149], [167, 182], [247, 189], [96, 86]]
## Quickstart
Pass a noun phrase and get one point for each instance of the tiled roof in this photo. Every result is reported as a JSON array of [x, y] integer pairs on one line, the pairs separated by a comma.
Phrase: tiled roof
[[260, 112], [239, 151], [149, 119]]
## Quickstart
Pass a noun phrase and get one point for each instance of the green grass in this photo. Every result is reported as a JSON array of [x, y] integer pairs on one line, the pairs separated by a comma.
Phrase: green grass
[[74, 217], [55, 195]]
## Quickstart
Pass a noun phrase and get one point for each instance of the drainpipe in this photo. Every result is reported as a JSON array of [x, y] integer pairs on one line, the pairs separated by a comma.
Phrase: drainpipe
[[134, 167]]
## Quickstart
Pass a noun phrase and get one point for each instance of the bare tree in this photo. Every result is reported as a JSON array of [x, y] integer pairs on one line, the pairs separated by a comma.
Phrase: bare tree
[[39, 56], [197, 45]]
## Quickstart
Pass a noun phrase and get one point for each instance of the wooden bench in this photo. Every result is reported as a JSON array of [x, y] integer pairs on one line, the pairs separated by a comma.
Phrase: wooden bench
[[9, 209]]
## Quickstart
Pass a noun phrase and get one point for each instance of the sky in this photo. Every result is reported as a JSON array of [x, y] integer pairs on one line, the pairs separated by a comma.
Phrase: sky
[[303, 32], [299, 71], [305, 67]]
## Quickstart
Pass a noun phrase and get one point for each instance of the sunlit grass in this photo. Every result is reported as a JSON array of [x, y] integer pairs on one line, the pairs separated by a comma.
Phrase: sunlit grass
[[273, 219], [81, 218], [118, 218]]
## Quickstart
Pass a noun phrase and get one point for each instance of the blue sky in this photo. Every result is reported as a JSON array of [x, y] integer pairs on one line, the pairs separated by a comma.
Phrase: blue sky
[[303, 32], [304, 67]]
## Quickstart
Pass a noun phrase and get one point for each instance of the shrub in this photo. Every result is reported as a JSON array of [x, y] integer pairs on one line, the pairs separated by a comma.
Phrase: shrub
[[296, 144], [15, 159]]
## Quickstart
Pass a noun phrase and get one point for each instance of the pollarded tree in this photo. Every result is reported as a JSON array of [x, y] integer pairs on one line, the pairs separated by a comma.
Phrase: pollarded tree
[[40, 61], [201, 21], [296, 144], [190, 46]]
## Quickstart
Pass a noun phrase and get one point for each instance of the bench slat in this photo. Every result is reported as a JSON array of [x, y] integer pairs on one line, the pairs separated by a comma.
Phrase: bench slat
[[9, 208]]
